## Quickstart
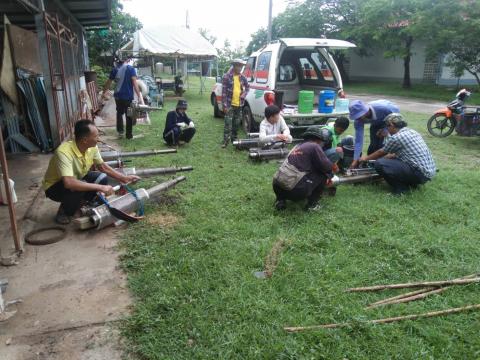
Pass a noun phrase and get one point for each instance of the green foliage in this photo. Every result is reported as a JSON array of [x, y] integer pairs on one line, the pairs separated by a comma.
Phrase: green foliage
[[102, 75], [226, 54], [458, 35], [193, 284], [206, 34], [102, 44]]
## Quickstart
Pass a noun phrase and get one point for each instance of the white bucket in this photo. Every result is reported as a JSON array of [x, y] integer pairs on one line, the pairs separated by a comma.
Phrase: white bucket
[[3, 193]]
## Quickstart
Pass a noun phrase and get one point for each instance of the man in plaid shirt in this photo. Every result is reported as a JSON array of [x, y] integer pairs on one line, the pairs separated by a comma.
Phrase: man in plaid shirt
[[405, 161]]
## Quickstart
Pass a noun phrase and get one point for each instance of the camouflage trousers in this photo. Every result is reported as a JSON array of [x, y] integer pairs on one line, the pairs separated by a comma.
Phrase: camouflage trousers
[[233, 119]]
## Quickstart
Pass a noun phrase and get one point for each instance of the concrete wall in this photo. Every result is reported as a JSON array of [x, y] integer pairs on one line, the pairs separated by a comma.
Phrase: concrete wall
[[376, 67], [446, 78]]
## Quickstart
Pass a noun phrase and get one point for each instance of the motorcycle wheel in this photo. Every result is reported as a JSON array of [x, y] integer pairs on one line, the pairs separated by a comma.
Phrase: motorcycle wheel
[[440, 125]]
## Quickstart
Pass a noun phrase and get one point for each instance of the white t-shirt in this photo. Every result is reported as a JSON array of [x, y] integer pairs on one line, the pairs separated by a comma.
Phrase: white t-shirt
[[269, 132]]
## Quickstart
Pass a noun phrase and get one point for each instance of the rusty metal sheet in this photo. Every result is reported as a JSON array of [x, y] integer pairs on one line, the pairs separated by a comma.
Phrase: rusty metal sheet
[[25, 49]]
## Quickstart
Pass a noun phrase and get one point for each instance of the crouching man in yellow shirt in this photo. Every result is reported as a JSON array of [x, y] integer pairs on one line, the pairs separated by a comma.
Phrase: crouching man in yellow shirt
[[70, 181]]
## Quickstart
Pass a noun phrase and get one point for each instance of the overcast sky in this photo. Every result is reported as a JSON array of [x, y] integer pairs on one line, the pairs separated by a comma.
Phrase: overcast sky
[[235, 20]]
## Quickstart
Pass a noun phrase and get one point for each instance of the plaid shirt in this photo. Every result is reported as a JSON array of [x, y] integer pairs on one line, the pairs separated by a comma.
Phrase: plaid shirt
[[408, 146], [227, 89]]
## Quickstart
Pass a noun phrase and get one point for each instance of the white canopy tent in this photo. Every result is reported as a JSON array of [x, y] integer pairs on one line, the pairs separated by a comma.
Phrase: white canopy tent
[[172, 42]]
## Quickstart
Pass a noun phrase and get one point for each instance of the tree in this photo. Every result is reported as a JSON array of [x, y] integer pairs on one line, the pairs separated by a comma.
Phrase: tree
[[226, 54], [457, 36], [387, 24], [393, 25], [102, 43], [206, 34]]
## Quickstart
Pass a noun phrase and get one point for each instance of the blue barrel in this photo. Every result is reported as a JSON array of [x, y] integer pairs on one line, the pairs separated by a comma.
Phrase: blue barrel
[[326, 101]]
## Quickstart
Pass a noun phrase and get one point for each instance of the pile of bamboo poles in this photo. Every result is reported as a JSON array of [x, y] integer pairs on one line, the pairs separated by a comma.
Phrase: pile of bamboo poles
[[426, 288]]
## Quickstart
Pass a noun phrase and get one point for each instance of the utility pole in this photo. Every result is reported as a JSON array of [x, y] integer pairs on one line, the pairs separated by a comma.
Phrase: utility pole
[[187, 25], [269, 35]]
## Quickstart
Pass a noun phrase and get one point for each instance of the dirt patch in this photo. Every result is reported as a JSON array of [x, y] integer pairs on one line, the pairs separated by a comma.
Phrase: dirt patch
[[162, 219], [165, 199]]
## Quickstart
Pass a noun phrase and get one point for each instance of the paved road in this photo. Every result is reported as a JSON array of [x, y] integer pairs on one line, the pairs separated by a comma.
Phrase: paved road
[[405, 104]]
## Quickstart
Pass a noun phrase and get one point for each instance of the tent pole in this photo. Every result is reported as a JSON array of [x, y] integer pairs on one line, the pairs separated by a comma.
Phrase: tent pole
[[186, 76], [201, 78]]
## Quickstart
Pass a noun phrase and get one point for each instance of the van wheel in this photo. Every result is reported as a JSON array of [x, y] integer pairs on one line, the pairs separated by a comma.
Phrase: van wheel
[[248, 122], [216, 111]]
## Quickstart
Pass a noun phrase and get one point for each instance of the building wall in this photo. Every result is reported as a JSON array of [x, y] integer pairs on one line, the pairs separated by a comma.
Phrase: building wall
[[376, 67], [447, 78]]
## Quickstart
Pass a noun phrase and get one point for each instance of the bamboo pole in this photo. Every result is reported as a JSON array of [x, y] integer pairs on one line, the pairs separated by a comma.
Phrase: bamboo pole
[[418, 296], [415, 285], [387, 320], [401, 296], [414, 295]]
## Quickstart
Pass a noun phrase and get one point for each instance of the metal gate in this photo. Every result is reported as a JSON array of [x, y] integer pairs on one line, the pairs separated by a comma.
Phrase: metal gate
[[63, 47]]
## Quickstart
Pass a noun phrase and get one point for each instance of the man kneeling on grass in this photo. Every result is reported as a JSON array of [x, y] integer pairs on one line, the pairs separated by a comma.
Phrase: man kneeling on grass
[[305, 171], [273, 128], [405, 161], [179, 128], [68, 179]]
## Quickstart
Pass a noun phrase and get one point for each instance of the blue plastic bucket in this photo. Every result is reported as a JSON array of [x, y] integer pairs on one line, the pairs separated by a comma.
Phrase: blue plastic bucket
[[326, 101]]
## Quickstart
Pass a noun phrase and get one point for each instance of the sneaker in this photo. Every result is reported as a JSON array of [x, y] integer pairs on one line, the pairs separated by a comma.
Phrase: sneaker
[[224, 144], [62, 218], [120, 135], [280, 205], [313, 207]]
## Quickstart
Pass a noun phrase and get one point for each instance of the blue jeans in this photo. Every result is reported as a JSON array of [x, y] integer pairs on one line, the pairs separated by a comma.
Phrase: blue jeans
[[399, 175]]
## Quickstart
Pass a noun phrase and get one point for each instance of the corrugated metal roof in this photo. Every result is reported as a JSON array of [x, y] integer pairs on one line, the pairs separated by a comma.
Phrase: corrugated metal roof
[[89, 13]]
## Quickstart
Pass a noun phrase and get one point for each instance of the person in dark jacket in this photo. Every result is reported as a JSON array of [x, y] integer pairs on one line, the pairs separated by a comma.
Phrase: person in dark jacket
[[304, 173], [179, 128]]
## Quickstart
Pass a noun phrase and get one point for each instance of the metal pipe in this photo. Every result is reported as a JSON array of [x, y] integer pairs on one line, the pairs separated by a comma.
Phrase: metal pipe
[[354, 179], [100, 216], [112, 155], [155, 171], [117, 163], [245, 144], [270, 154], [154, 191], [253, 135]]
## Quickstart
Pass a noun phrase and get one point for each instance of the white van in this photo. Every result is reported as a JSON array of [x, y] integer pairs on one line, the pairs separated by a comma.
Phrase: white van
[[277, 73]]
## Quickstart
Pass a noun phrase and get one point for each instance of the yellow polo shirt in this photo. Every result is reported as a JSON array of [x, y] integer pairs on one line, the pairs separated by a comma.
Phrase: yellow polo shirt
[[69, 161], [237, 91]]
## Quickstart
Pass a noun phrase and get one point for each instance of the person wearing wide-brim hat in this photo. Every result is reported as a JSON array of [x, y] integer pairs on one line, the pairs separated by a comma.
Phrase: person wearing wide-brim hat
[[234, 90], [372, 113], [179, 128], [305, 171]]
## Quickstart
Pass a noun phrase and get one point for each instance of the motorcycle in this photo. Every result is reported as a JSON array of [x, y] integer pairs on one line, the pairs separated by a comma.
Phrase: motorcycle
[[179, 90], [456, 116]]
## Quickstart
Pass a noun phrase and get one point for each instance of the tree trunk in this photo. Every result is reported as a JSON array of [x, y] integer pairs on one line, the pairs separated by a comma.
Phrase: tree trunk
[[475, 75], [406, 63], [340, 60]]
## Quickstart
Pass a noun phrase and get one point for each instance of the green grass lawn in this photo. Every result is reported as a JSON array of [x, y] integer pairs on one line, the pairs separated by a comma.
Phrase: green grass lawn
[[192, 278], [420, 91]]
